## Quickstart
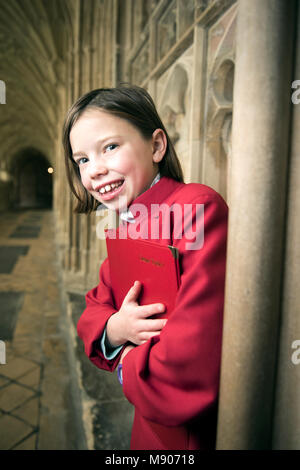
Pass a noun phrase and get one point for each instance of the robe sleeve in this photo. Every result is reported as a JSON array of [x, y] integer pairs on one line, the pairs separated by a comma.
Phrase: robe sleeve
[[174, 377], [92, 323]]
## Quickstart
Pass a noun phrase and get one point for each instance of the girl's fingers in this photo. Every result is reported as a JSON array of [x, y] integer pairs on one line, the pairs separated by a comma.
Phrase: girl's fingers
[[133, 292], [152, 325], [151, 309], [149, 335], [148, 329]]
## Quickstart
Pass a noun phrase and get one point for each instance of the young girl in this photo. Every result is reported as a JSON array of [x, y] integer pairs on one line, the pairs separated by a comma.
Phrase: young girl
[[119, 156]]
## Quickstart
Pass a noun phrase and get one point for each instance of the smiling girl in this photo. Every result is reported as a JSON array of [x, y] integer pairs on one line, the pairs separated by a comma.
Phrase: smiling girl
[[119, 155]]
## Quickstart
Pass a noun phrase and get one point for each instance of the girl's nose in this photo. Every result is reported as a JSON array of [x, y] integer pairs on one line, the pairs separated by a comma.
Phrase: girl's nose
[[96, 168]]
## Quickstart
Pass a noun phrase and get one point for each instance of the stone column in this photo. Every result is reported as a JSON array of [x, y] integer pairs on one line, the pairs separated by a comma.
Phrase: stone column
[[257, 189], [196, 134], [287, 404], [72, 219]]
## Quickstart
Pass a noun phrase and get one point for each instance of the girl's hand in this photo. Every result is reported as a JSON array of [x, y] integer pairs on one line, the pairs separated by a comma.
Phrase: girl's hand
[[131, 323]]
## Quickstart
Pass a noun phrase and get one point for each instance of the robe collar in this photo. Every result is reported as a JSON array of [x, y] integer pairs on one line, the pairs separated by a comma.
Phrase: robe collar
[[156, 195]]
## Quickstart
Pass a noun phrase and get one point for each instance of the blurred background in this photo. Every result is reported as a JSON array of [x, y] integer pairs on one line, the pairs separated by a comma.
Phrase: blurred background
[[221, 74]]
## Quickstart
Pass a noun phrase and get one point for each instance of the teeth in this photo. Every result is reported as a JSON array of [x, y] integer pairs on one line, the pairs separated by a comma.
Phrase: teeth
[[109, 187]]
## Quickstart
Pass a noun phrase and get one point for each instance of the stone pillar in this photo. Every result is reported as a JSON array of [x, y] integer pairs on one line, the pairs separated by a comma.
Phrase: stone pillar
[[257, 189], [287, 404], [197, 105], [72, 219]]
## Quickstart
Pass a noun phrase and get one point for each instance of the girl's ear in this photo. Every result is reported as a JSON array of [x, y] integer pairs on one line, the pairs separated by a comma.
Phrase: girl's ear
[[159, 145]]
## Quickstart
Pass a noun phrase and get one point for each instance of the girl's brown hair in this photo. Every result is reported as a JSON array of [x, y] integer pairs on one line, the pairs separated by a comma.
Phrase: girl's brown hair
[[136, 106]]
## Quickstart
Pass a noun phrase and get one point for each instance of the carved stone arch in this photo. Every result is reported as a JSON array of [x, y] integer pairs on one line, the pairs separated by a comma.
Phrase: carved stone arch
[[174, 96], [219, 101], [218, 142], [222, 81], [172, 103], [218, 137]]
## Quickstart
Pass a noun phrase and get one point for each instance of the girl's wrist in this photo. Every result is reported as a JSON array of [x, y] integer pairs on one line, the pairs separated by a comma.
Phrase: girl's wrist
[[113, 328]]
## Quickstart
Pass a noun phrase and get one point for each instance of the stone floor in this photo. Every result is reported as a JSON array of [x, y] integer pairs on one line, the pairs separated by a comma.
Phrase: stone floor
[[37, 395], [51, 396]]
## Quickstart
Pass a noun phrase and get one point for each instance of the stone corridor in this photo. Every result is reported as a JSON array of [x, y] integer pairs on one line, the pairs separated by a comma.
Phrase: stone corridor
[[36, 392]]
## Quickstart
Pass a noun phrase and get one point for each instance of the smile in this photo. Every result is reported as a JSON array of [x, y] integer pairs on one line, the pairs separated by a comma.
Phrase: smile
[[110, 190], [110, 187]]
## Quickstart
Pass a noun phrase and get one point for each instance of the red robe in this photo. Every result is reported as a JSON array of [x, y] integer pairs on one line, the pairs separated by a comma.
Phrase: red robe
[[173, 379]]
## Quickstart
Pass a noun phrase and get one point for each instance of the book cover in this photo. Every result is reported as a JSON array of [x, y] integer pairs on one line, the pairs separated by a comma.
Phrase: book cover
[[156, 266]]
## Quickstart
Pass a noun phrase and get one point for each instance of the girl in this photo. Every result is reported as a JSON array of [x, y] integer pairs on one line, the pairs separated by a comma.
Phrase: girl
[[118, 155]]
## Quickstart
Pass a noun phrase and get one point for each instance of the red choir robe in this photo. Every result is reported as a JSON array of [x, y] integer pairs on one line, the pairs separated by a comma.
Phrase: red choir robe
[[173, 379]]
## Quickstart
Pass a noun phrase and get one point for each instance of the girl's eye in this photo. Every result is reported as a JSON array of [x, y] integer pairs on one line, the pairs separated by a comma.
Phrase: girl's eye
[[82, 160], [111, 147]]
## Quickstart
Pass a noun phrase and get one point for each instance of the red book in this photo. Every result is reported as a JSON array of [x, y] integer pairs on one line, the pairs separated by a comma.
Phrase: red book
[[155, 266]]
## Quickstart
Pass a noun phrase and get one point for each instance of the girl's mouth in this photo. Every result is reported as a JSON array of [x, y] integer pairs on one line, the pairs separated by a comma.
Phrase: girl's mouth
[[111, 190]]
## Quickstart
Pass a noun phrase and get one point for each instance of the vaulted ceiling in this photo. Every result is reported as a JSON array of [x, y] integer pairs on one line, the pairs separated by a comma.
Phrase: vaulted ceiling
[[35, 36]]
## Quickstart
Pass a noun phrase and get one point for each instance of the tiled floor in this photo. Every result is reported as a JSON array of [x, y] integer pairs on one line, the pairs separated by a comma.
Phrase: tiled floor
[[19, 404], [36, 404]]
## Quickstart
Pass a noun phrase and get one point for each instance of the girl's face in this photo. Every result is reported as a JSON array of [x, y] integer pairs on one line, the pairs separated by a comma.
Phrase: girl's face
[[116, 162]]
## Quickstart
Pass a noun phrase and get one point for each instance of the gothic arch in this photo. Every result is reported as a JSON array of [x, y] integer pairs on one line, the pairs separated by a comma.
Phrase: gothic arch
[[31, 181]]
